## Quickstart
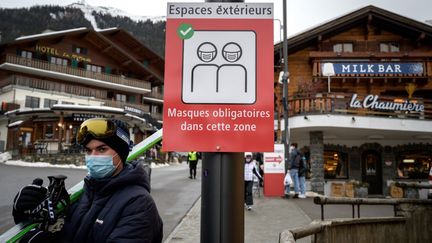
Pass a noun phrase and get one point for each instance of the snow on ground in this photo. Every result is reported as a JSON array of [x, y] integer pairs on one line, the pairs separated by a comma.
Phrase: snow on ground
[[5, 158]]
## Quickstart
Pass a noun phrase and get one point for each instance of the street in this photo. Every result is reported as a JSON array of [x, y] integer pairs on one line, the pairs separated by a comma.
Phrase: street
[[172, 190]]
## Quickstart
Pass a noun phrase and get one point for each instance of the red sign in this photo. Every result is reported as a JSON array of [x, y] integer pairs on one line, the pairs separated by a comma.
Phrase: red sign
[[218, 77]]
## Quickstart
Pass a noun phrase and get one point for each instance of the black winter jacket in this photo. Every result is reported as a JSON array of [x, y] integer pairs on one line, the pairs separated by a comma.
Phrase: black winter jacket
[[116, 209]]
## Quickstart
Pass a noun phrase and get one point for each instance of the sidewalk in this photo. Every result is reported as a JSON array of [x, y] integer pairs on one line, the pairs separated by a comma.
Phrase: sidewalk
[[269, 217]]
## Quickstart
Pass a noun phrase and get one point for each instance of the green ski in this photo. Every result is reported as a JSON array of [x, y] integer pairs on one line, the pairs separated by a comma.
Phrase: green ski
[[15, 233]]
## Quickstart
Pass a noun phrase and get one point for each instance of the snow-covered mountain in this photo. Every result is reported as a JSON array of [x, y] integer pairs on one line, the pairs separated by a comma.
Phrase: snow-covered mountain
[[89, 9]]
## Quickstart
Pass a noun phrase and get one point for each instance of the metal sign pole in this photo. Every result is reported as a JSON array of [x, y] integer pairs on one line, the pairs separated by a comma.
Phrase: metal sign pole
[[222, 195], [285, 77]]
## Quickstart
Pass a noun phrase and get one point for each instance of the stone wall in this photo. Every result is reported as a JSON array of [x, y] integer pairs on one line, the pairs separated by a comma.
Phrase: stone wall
[[317, 161]]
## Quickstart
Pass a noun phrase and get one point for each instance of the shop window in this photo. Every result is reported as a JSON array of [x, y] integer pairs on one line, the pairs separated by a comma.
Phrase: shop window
[[49, 103], [414, 165], [343, 47], [32, 102], [49, 131], [335, 165], [389, 47]]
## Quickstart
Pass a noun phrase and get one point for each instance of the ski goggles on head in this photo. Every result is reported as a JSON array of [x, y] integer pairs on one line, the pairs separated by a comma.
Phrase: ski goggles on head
[[96, 127]]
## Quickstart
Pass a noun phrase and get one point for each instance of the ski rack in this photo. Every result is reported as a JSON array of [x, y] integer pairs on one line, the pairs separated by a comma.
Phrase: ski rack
[[15, 233]]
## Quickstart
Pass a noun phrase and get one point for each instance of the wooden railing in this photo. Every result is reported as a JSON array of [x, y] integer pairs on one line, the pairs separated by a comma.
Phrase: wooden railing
[[340, 104], [410, 223], [52, 86], [39, 64]]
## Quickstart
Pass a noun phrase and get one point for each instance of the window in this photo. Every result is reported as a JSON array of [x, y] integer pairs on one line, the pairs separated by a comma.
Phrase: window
[[32, 102], [49, 131], [154, 109], [121, 97], [79, 50], [414, 165], [67, 103], [389, 47], [49, 102], [335, 165], [26, 54], [343, 47], [59, 61], [94, 68]]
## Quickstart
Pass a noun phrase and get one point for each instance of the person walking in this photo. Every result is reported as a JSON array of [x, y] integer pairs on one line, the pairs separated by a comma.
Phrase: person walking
[[295, 158], [303, 169], [115, 205], [249, 171], [192, 159]]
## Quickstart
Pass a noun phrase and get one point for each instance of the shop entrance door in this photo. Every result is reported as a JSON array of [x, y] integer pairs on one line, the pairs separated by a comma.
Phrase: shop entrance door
[[371, 171]]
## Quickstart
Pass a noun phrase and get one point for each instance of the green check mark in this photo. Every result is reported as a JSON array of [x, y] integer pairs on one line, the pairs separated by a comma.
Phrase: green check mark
[[185, 31]]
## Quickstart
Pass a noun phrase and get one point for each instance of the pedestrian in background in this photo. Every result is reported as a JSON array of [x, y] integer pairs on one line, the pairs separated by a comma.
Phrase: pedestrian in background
[[250, 170], [259, 159], [303, 169], [115, 205], [192, 159], [295, 158]]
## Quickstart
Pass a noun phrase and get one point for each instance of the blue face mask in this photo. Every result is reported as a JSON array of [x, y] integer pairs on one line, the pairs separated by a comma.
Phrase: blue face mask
[[100, 166]]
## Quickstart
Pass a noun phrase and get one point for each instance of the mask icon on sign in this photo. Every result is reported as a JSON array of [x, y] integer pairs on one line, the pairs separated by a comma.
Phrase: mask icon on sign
[[207, 52], [232, 52]]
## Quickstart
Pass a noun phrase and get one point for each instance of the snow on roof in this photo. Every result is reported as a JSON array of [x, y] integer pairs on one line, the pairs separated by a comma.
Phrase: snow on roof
[[50, 33], [136, 117], [25, 109], [17, 123], [107, 29]]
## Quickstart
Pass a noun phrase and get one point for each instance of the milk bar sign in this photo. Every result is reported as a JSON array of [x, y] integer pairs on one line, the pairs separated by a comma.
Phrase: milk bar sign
[[415, 68]]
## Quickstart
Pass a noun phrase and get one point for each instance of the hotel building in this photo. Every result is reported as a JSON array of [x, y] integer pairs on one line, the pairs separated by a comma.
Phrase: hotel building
[[360, 100], [51, 82]]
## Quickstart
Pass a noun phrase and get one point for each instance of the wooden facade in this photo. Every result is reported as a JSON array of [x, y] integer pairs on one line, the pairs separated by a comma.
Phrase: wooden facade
[[51, 81], [367, 51]]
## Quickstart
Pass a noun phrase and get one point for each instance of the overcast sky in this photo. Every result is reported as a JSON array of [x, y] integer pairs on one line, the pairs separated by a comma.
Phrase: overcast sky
[[302, 14]]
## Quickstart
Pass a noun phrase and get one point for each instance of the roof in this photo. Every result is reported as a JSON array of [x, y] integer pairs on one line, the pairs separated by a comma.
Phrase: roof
[[101, 40], [146, 122], [369, 14]]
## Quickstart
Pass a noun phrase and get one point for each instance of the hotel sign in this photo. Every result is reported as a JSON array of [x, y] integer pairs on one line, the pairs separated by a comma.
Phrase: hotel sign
[[373, 102], [384, 68]]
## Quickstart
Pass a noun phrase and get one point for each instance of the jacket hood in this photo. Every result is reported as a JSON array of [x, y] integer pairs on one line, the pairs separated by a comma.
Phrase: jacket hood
[[132, 174]]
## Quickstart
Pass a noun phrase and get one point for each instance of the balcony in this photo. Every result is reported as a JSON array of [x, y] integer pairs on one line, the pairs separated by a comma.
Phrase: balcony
[[138, 108], [154, 96], [347, 105], [79, 75]]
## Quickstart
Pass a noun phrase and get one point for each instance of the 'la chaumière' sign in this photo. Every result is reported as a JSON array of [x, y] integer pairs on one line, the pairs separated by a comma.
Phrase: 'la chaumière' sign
[[373, 102]]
